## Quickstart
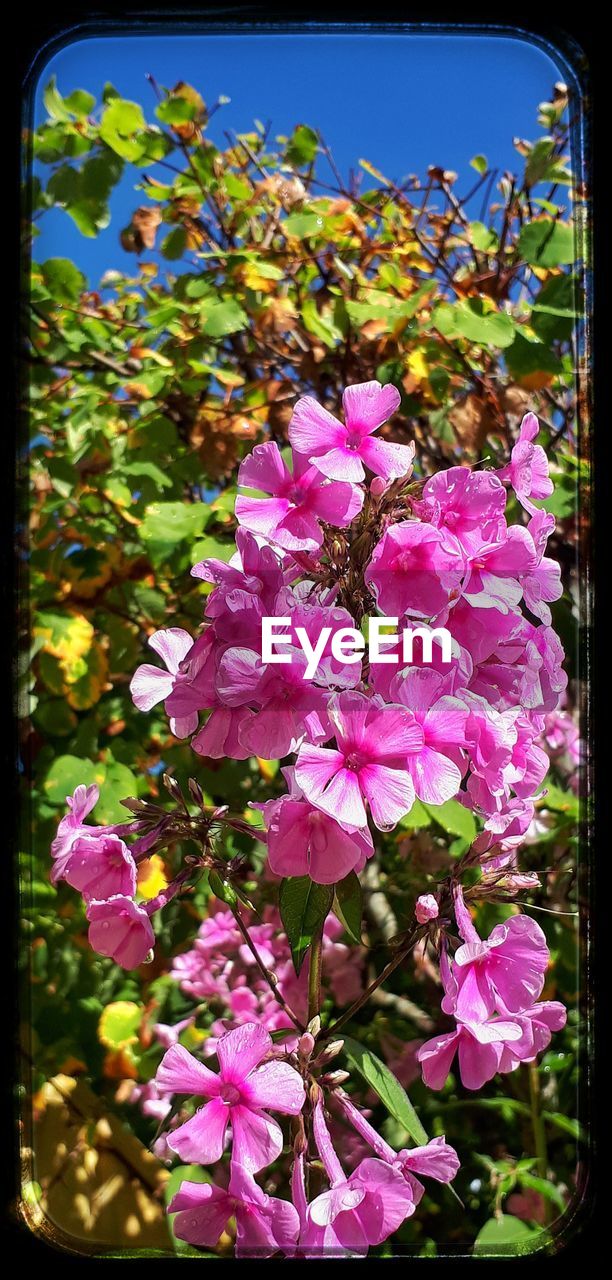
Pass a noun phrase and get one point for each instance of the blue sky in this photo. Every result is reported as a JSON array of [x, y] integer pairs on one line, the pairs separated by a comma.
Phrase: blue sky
[[400, 101]]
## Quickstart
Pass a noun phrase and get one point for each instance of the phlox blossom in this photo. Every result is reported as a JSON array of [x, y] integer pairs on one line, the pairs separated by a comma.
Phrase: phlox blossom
[[527, 470], [240, 1094], [341, 450], [508, 968], [304, 841], [434, 770], [264, 1224], [121, 929], [98, 865], [298, 500], [150, 685], [367, 765], [416, 570]]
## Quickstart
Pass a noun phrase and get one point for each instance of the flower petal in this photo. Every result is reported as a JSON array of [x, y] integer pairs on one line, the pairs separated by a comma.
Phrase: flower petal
[[367, 405], [150, 685], [172, 644], [278, 1086], [390, 793], [201, 1139], [202, 1213], [313, 429], [180, 1072], [257, 1139], [242, 1049]]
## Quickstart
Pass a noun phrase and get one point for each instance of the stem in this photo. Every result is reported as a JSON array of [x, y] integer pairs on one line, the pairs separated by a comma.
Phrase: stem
[[314, 975], [365, 996], [539, 1132], [265, 973]]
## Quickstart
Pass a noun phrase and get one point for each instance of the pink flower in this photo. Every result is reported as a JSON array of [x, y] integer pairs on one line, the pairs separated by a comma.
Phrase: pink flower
[[358, 1211], [72, 826], [238, 1095], [220, 736], [167, 1034], [537, 1025], [304, 841], [426, 908], [340, 451], [494, 571], [542, 584], [480, 1046], [290, 516], [150, 685], [435, 1160], [98, 865], [415, 569], [509, 967], [442, 719], [264, 1224], [369, 763], [527, 470], [121, 929], [288, 707], [470, 504]]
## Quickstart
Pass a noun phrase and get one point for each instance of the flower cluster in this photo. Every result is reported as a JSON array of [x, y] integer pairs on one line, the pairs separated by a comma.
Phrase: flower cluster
[[438, 554], [342, 532], [220, 969], [357, 1210], [491, 990], [97, 861]]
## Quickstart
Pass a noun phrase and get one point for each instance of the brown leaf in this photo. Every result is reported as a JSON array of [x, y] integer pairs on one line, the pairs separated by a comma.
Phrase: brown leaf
[[472, 420], [145, 222]]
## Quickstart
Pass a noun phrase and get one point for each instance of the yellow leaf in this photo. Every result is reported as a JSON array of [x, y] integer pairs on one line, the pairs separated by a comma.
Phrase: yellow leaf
[[152, 877], [417, 365], [369, 168]]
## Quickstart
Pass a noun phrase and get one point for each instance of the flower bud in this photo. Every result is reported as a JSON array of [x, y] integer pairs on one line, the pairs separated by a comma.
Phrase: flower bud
[[378, 486], [306, 1045], [426, 908], [330, 1051]]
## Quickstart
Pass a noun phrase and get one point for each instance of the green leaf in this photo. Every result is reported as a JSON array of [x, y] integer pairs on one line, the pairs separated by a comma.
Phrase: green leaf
[[545, 243], [454, 818], [554, 310], [63, 280], [304, 907], [80, 103], [67, 773], [302, 146], [173, 245], [54, 103], [524, 358], [176, 110], [222, 318], [121, 123], [505, 1235], [417, 817], [388, 1089], [348, 905], [118, 783], [303, 224], [167, 523], [480, 164], [484, 238], [469, 319]]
